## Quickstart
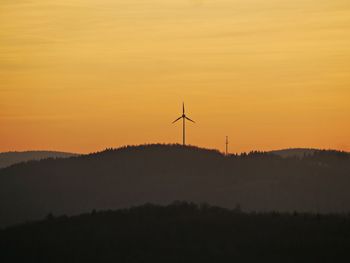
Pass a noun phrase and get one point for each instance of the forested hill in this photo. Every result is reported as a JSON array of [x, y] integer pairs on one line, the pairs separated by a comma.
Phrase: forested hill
[[11, 158], [162, 173], [294, 152], [180, 232]]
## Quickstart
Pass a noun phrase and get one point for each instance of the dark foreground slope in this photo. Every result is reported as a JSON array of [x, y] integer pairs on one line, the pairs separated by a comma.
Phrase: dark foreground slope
[[161, 174], [180, 232], [11, 158]]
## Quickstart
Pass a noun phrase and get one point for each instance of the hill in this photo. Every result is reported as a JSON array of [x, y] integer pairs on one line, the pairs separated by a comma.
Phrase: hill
[[180, 232], [11, 158], [294, 152], [160, 174]]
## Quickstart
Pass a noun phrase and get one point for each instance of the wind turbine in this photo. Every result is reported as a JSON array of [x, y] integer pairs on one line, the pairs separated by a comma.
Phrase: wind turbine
[[184, 118]]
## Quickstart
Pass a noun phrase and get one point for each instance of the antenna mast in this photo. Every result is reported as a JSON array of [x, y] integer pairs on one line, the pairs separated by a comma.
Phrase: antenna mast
[[227, 145]]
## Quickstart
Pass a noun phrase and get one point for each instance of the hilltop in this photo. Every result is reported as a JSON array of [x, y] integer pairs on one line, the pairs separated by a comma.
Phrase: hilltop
[[160, 174], [11, 158]]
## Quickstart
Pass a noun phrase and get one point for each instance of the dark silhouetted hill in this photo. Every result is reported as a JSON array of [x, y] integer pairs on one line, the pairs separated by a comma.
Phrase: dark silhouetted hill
[[294, 152], [161, 174], [300, 152], [180, 232], [11, 158]]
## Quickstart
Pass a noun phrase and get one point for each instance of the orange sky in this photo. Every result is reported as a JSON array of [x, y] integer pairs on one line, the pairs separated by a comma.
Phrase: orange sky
[[83, 75]]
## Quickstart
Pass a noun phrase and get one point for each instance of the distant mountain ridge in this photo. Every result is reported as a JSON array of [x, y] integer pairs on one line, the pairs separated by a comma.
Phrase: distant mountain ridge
[[160, 174], [11, 158]]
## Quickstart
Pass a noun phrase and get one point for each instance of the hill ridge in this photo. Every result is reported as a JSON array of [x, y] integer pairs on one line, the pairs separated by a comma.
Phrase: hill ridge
[[160, 174]]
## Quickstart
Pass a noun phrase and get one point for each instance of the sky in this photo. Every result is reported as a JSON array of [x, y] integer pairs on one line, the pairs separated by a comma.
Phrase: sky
[[84, 75]]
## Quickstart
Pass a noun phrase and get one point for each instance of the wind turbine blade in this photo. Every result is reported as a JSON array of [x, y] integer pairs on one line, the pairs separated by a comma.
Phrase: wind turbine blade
[[177, 119], [183, 108], [190, 119]]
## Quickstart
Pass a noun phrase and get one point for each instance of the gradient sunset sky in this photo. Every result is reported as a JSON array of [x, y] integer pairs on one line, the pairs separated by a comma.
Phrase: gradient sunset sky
[[83, 75]]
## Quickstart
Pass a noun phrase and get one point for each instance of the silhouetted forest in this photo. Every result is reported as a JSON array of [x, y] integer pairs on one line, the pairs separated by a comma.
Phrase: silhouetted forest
[[160, 174], [294, 152], [180, 232]]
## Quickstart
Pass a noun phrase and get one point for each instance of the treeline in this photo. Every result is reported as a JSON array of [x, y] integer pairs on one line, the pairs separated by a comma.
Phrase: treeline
[[180, 232]]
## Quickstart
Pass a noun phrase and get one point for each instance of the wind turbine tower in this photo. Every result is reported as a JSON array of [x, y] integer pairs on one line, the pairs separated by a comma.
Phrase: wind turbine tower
[[184, 118]]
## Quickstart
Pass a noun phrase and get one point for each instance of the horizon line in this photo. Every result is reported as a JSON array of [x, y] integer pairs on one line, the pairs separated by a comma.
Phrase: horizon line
[[172, 144]]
